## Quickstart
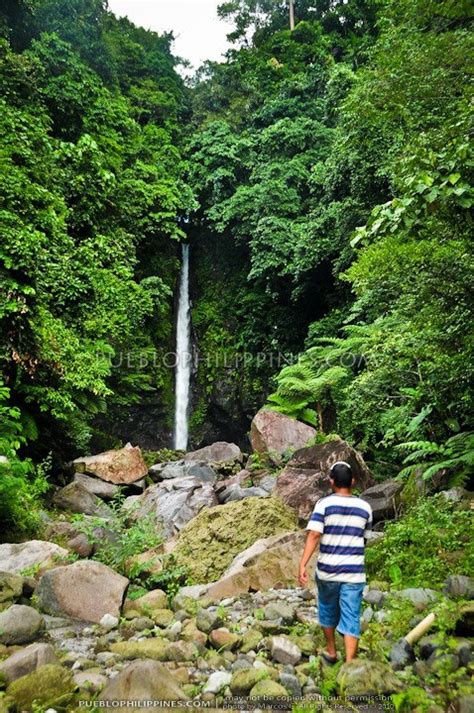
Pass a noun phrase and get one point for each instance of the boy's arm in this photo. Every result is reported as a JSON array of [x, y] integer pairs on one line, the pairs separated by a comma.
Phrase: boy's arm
[[312, 541]]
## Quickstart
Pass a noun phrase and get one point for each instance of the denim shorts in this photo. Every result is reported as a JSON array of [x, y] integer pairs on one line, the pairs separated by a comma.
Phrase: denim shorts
[[339, 605]]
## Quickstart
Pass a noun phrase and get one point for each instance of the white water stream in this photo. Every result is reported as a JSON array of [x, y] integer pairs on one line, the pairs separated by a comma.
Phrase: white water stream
[[183, 356]]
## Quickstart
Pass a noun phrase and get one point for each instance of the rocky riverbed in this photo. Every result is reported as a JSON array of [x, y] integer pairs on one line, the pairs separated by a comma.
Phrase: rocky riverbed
[[239, 633]]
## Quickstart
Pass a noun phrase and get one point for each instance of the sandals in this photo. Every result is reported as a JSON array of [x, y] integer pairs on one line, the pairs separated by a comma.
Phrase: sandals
[[331, 660]]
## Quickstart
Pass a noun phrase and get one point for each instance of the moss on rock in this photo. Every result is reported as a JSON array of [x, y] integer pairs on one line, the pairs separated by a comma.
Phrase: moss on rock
[[156, 649], [210, 541], [50, 686]]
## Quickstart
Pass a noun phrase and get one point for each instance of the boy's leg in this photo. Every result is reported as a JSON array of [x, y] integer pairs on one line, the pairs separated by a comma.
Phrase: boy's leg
[[330, 636], [351, 644], [328, 612], [350, 602]]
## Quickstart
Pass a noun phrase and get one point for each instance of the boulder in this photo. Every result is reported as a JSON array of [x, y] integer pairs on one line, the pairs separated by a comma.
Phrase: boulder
[[156, 599], [174, 502], [75, 498], [122, 466], [83, 590], [90, 680], [95, 486], [420, 597], [34, 554], [208, 544], [50, 686], [266, 688], [143, 681], [19, 624], [306, 476], [384, 499], [280, 611], [154, 648], [243, 681], [26, 661], [459, 586], [219, 452], [367, 678], [271, 562], [202, 472], [11, 586], [275, 434], [284, 651]]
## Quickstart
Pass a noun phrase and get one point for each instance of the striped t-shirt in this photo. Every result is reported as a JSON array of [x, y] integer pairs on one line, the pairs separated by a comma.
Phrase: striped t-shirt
[[343, 521]]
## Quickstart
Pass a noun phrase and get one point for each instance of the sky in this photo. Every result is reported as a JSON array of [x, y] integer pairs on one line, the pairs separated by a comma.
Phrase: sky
[[199, 33]]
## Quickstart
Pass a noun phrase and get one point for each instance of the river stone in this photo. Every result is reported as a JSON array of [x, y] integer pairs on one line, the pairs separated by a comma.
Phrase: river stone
[[291, 684], [459, 586], [250, 640], [155, 648], [284, 651], [268, 689], [90, 680], [208, 620], [219, 452], [367, 678], [122, 466], [26, 661], [224, 639], [83, 590], [19, 624], [75, 498], [280, 610], [49, 686], [11, 586], [217, 681], [143, 681], [465, 704], [172, 503], [208, 544], [243, 681], [96, 486], [384, 499], [306, 476], [156, 599], [27, 555], [420, 597], [275, 434], [235, 492]]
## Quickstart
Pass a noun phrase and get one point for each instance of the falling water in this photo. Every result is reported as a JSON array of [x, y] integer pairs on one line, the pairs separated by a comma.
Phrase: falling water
[[183, 356]]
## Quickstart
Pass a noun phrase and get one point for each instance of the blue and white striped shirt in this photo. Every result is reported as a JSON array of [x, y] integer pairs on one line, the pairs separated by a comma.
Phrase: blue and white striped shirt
[[343, 521]]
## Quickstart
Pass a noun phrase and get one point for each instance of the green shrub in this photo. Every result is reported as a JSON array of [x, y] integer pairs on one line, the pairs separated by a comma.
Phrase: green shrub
[[431, 541]]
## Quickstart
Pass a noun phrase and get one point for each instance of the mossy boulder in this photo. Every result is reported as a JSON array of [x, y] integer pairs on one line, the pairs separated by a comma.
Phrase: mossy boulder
[[11, 586], [156, 649], [268, 689], [50, 686], [243, 681], [250, 640], [209, 542], [162, 617], [367, 678]]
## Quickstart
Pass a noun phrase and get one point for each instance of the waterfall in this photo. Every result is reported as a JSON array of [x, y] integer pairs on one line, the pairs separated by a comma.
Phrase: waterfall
[[183, 356]]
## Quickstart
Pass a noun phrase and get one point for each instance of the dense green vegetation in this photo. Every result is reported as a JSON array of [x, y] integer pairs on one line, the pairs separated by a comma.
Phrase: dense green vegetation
[[324, 179]]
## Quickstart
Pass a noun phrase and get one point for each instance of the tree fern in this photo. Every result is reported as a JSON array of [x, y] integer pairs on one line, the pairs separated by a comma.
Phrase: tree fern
[[456, 456]]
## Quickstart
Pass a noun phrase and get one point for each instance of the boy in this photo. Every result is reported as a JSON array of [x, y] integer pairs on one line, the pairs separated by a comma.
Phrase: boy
[[340, 523]]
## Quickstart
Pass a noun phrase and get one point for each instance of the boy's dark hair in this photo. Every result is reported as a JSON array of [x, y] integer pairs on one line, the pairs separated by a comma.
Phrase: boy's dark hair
[[341, 473]]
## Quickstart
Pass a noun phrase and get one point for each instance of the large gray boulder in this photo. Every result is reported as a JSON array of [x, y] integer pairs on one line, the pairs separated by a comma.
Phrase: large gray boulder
[[361, 677], [34, 554], [75, 498], [173, 502], [26, 661], [122, 466], [219, 452], [83, 590], [143, 681], [19, 625], [96, 486], [179, 469], [459, 586], [275, 434], [306, 476], [384, 499]]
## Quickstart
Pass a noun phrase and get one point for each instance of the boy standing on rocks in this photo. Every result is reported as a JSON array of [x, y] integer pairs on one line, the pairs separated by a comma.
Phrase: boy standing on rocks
[[340, 523]]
